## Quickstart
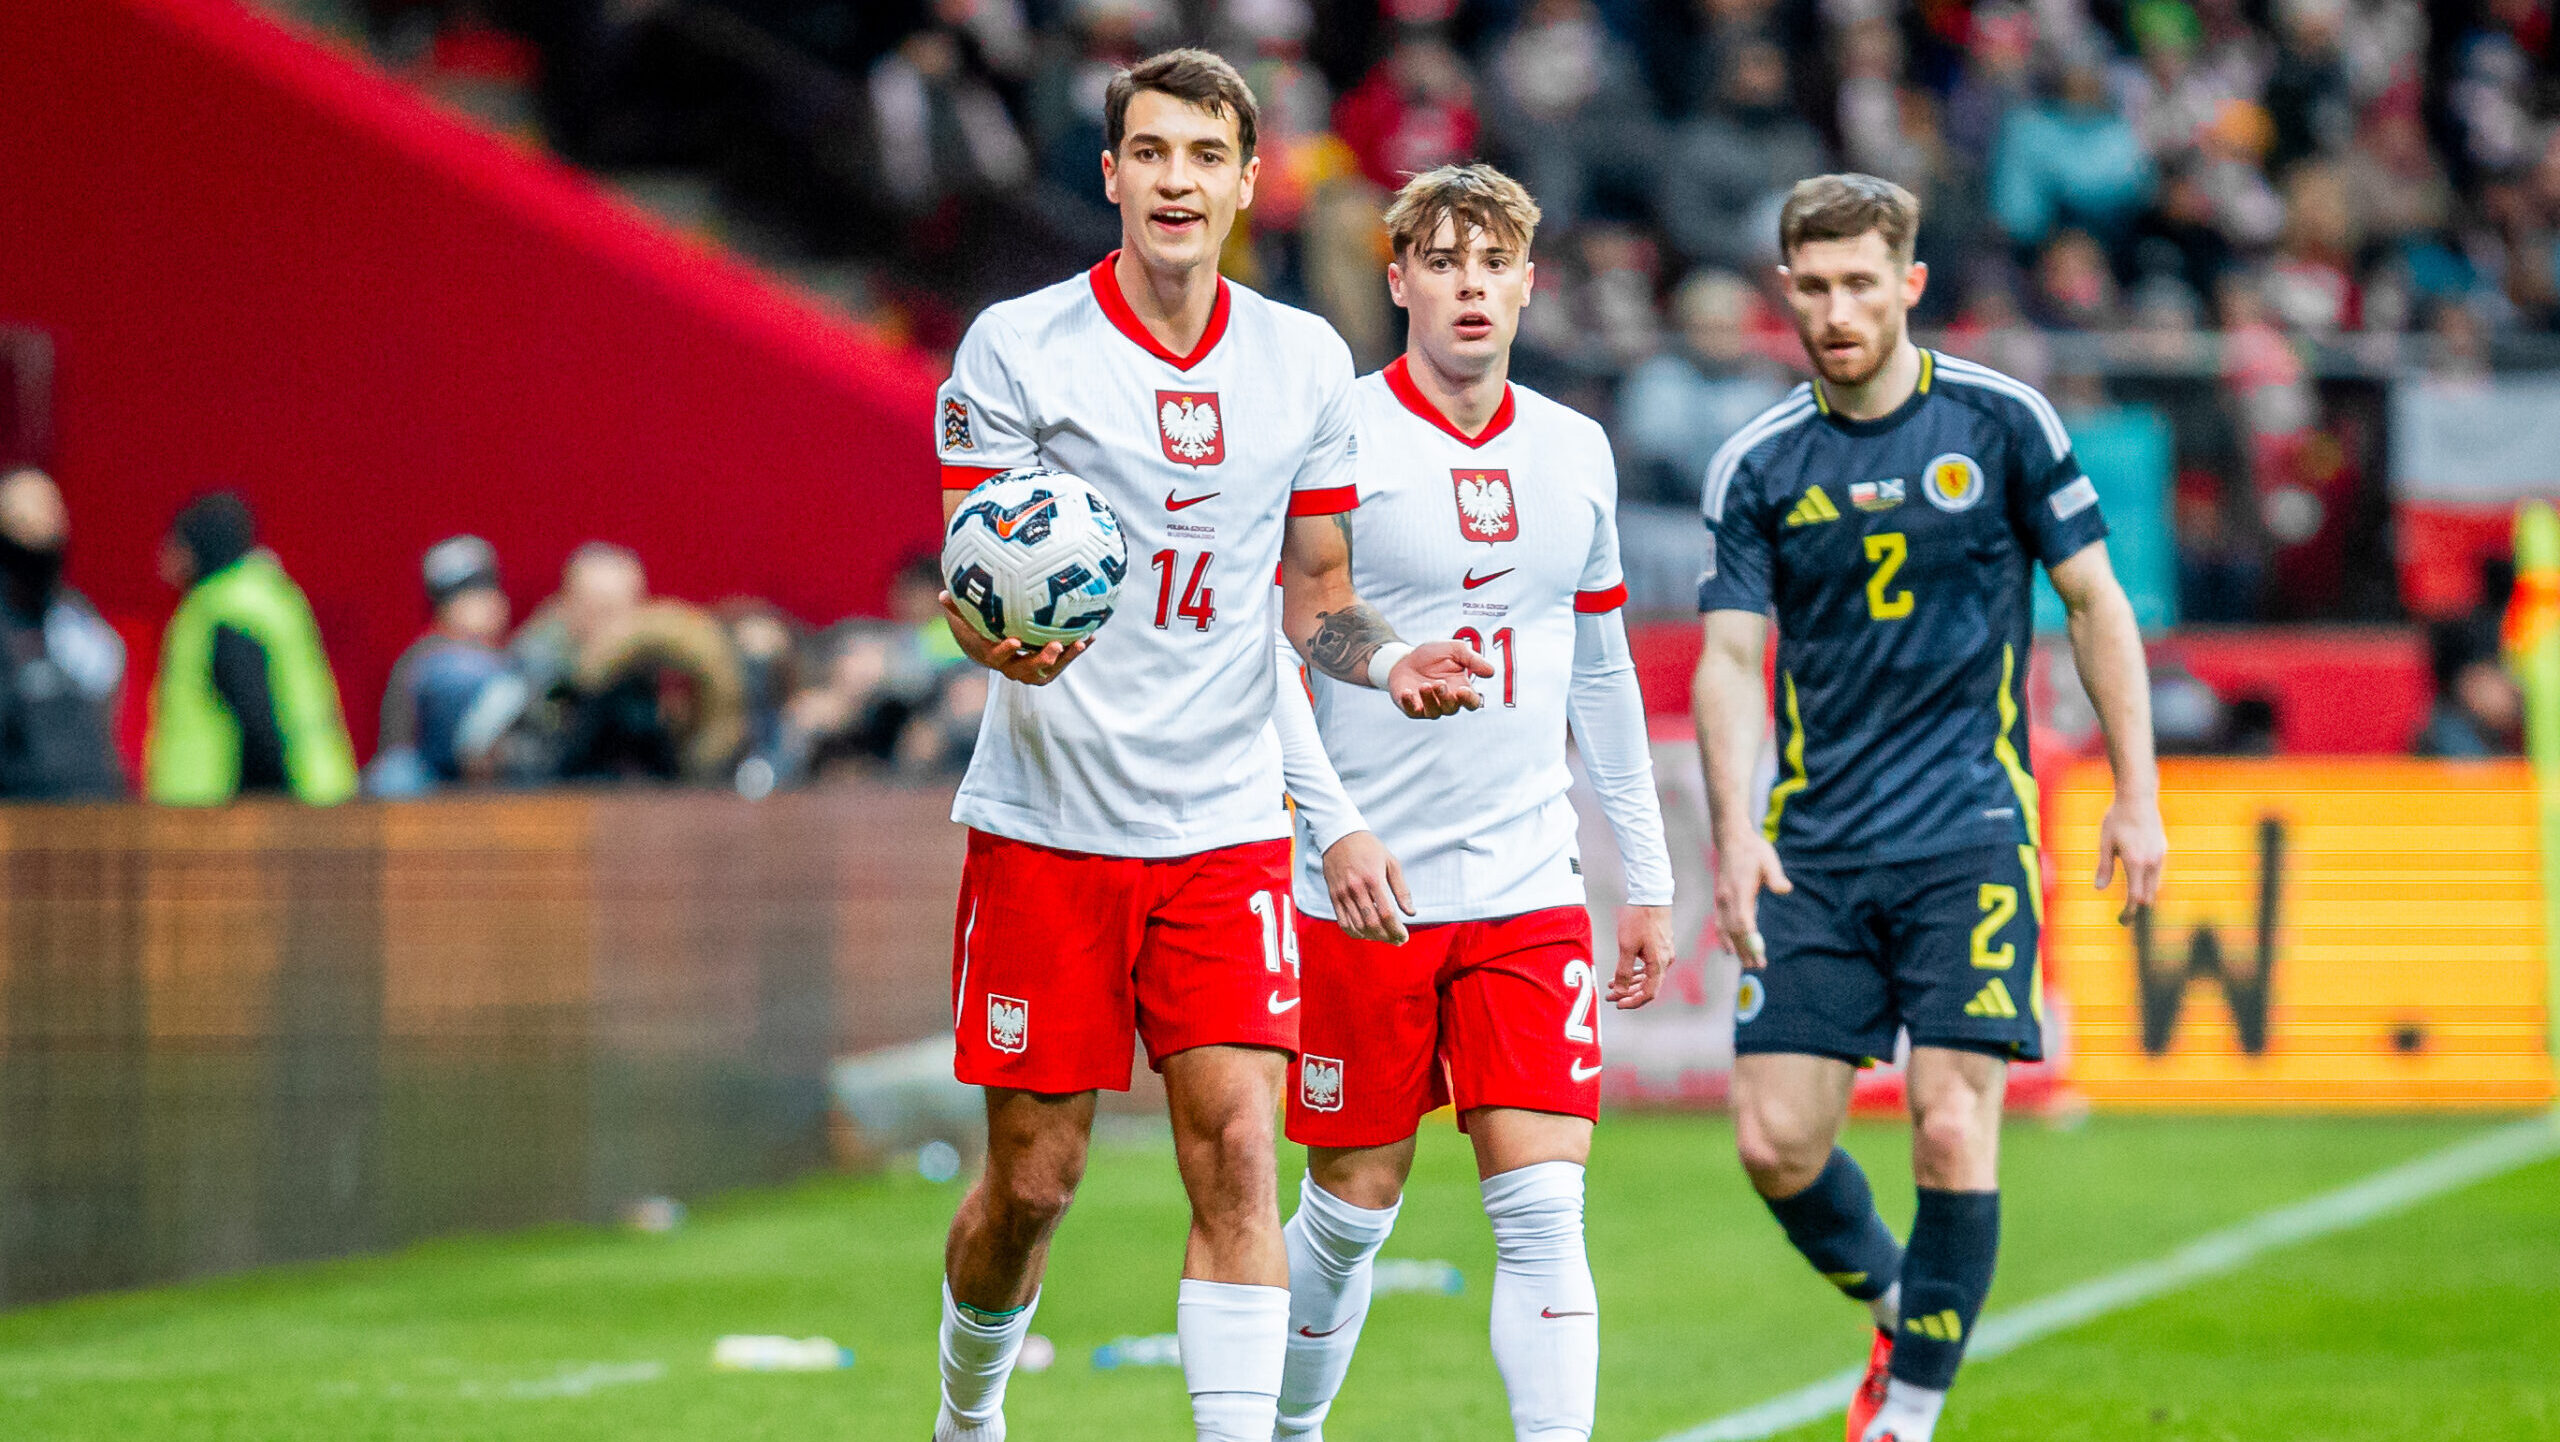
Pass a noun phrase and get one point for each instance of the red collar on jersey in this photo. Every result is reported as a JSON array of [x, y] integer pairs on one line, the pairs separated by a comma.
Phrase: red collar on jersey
[[1418, 403], [1106, 292]]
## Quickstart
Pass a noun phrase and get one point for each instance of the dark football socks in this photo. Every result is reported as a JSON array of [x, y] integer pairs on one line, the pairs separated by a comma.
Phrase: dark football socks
[[1955, 1242], [1834, 1223]]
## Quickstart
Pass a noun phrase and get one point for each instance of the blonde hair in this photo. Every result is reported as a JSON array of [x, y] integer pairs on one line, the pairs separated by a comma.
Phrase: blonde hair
[[1844, 207], [1472, 198]]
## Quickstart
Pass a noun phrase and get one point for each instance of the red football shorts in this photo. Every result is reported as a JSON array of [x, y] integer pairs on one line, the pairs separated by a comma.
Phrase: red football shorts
[[1501, 1013], [1059, 958]]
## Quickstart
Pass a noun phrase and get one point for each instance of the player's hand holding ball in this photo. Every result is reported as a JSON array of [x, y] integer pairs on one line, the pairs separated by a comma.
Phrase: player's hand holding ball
[[1367, 888], [1644, 955], [1007, 655], [1436, 679], [1034, 559], [1744, 864]]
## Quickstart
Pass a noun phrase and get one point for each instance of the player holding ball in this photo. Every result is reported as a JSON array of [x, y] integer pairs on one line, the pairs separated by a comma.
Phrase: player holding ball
[[1127, 874]]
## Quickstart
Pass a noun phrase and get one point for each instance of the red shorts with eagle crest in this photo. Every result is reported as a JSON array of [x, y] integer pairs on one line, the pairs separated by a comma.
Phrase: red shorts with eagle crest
[[1061, 959], [1500, 1013]]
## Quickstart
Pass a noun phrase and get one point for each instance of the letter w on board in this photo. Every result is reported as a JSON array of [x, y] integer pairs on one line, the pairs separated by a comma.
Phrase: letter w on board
[[2247, 981]]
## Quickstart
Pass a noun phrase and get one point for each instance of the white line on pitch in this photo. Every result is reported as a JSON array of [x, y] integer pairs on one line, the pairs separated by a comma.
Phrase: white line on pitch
[[2215, 1254]]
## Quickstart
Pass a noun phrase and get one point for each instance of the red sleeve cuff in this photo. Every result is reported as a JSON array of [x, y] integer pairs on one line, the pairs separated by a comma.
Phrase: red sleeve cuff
[[966, 478], [1591, 603], [1332, 501]]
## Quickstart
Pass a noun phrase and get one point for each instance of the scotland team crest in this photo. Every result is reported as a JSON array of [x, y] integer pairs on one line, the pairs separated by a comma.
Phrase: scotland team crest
[[1188, 424], [1008, 1023], [1953, 482], [1485, 509], [1320, 1083], [1749, 995]]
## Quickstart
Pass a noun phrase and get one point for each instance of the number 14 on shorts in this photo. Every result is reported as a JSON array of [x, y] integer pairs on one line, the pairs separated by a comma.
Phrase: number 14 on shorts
[[1278, 916]]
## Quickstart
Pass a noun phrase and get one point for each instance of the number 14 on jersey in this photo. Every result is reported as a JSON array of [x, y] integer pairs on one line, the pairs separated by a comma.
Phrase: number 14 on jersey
[[1199, 602]]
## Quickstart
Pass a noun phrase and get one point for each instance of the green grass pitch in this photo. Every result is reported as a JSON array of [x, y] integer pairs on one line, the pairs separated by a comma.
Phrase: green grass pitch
[[2441, 1324]]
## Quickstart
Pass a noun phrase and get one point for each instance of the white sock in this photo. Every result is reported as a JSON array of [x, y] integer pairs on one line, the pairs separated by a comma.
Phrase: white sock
[[1887, 1309], [1546, 1313], [1331, 1246], [977, 1360], [1909, 1413], [1234, 1336]]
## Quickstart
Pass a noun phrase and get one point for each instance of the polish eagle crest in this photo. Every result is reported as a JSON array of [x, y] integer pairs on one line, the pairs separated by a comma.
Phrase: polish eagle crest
[[1008, 1022], [1320, 1083], [1189, 423], [1484, 505]]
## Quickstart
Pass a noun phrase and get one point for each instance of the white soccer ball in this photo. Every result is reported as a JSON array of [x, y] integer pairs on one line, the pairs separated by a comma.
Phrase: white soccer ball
[[1035, 554]]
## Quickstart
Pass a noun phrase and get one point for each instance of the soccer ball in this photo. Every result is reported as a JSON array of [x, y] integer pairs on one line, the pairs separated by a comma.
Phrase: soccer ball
[[1035, 554]]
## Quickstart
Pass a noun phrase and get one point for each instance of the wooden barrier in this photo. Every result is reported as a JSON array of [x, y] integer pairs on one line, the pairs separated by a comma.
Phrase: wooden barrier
[[265, 1033]]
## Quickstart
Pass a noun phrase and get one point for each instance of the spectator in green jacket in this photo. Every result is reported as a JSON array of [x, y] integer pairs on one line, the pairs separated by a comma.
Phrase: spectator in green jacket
[[244, 704]]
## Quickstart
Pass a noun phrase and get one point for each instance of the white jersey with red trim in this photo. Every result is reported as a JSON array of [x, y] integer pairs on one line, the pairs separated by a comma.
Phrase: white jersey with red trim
[[1499, 541], [1158, 741]]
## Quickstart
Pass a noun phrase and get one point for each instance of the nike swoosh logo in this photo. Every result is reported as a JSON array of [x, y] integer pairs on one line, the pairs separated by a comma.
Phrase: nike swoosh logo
[[1471, 580], [1551, 1313], [1171, 503], [1278, 1006], [1329, 1331], [1582, 1075]]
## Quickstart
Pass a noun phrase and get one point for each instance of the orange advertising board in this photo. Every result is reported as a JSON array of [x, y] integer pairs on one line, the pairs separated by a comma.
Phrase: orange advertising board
[[2333, 934]]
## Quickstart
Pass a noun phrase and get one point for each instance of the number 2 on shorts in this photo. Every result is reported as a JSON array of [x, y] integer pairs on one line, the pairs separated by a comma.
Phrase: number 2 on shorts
[[1586, 994], [1999, 907]]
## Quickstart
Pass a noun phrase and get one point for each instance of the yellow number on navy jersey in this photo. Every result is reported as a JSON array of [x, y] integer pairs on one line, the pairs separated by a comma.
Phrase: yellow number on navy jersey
[[1999, 907], [1887, 550]]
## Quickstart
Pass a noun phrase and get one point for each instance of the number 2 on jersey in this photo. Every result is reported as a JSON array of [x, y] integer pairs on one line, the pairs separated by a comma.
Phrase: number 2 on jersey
[[1199, 602], [1886, 549], [1501, 642]]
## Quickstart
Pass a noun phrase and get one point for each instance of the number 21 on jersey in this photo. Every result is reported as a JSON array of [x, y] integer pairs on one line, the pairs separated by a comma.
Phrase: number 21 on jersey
[[1502, 643]]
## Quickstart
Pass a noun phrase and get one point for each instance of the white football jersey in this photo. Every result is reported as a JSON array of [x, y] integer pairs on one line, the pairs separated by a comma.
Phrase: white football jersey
[[1498, 541], [1158, 741]]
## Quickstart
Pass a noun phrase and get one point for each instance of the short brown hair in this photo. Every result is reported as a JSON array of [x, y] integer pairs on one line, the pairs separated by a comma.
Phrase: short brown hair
[[1473, 198], [1844, 207], [1194, 77]]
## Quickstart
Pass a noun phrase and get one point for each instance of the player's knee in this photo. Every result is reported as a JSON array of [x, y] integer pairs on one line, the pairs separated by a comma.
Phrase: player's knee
[[1949, 1142], [1231, 1167], [1027, 1203], [1779, 1159]]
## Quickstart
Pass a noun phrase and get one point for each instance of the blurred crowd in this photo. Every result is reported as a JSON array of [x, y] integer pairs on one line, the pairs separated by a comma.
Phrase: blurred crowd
[[605, 683], [2217, 189], [2194, 205], [602, 683], [2320, 166]]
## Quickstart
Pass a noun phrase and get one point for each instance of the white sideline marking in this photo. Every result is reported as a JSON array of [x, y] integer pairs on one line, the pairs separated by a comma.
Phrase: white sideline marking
[[573, 1381], [2215, 1254]]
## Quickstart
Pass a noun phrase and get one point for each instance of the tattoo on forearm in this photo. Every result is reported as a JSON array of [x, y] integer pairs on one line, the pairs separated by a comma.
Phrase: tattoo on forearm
[[1345, 640]]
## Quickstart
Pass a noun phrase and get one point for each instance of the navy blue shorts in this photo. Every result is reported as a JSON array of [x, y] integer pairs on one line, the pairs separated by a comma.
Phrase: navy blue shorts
[[1944, 945]]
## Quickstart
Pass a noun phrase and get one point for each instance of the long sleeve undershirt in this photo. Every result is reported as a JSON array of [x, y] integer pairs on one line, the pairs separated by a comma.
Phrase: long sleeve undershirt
[[1606, 708], [1304, 767]]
